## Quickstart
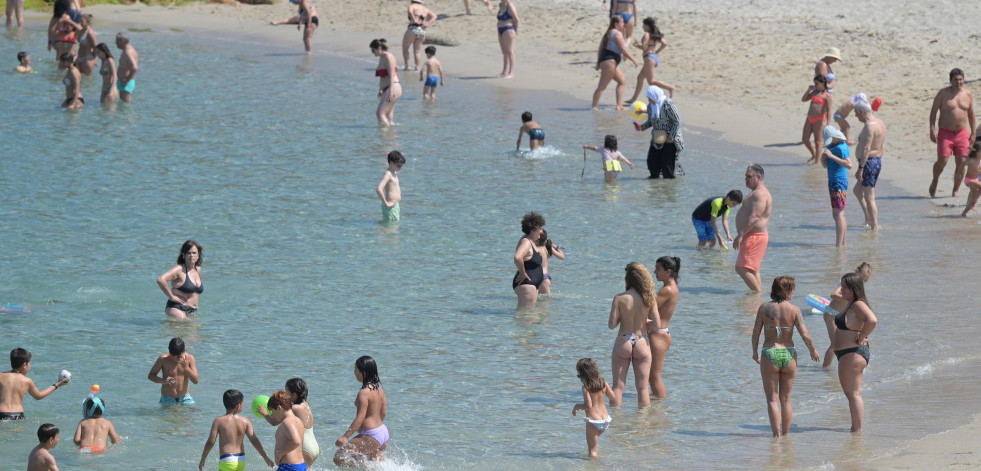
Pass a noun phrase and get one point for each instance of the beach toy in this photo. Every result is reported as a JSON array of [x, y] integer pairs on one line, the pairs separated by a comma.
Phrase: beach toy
[[638, 109], [261, 400], [12, 307], [817, 302], [65, 375], [876, 103]]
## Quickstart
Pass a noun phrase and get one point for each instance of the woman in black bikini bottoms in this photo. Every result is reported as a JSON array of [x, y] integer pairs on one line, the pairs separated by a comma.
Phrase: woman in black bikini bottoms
[[851, 343], [528, 260], [185, 282]]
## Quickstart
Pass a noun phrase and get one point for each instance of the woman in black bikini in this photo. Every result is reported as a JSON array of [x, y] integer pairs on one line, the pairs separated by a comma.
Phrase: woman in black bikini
[[528, 260], [185, 282], [389, 87], [851, 343]]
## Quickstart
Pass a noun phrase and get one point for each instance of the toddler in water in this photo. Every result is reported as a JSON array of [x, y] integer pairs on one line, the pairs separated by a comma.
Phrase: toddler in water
[[536, 135], [611, 158], [25, 63], [93, 430], [433, 71], [594, 387]]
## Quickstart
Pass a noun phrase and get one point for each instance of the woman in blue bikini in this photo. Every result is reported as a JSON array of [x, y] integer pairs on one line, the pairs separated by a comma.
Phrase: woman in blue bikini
[[776, 320], [184, 282], [652, 45], [626, 9], [507, 29]]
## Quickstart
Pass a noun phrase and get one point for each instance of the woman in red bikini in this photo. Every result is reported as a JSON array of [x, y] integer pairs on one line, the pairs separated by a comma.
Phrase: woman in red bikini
[[817, 116], [389, 87]]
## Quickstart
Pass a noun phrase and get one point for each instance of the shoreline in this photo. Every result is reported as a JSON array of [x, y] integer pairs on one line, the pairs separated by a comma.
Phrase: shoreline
[[736, 119]]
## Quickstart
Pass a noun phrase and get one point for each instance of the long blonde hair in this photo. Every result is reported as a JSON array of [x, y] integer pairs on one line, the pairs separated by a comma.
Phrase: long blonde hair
[[639, 278]]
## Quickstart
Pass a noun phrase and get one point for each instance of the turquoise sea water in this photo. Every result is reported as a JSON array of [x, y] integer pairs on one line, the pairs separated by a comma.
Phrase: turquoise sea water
[[270, 161]]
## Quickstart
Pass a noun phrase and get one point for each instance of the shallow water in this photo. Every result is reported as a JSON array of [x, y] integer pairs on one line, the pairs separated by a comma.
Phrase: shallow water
[[272, 167]]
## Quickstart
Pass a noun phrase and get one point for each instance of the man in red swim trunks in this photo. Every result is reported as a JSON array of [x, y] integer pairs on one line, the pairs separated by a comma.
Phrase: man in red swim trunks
[[751, 224], [956, 106]]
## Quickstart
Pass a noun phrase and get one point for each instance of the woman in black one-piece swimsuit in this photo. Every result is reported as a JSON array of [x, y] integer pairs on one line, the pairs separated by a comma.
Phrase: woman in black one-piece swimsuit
[[528, 260]]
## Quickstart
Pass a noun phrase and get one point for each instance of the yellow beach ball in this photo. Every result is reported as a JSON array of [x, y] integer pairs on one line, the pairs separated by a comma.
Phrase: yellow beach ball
[[638, 110]]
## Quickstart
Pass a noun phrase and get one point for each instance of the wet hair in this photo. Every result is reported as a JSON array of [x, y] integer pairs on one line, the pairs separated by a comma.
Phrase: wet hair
[[757, 169], [782, 288], [67, 56], [865, 268], [279, 399], [369, 372], [395, 157], [613, 24], [956, 72], [176, 346], [46, 432], [379, 44], [61, 7], [431, 51], [232, 398], [93, 409], [18, 357], [639, 278], [854, 283], [610, 142], [21, 55], [822, 80], [588, 372], [671, 264], [299, 387], [187, 248], [735, 195], [531, 221], [104, 48], [526, 116], [545, 242], [652, 29]]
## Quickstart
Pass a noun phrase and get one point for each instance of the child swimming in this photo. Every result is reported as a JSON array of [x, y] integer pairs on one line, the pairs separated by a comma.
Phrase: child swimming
[[93, 430]]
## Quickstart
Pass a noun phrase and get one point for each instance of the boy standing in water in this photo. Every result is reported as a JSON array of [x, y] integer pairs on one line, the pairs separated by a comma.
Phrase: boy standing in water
[[389, 190], [536, 135], [93, 430], [15, 384], [705, 215], [178, 368], [41, 458], [229, 429], [433, 71], [289, 434]]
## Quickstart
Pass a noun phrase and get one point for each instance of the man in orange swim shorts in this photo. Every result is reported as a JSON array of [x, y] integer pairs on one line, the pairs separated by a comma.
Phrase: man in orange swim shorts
[[752, 220]]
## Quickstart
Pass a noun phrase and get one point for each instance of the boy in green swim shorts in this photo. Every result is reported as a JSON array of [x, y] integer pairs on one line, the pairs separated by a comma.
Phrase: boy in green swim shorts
[[229, 430], [389, 190]]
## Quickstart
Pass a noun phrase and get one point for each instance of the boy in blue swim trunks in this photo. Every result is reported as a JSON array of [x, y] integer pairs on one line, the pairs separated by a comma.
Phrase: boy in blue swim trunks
[[705, 215], [179, 370], [389, 190], [536, 135], [433, 72]]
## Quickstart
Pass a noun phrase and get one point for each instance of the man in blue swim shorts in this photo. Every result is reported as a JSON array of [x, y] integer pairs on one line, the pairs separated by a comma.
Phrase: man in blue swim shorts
[[871, 142], [129, 63], [179, 369]]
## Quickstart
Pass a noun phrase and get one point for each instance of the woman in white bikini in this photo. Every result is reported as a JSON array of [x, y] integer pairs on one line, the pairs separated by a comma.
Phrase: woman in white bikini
[[666, 271], [634, 311]]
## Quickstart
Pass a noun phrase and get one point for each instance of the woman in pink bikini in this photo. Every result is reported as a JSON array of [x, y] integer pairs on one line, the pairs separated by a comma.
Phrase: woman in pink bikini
[[817, 116], [389, 87]]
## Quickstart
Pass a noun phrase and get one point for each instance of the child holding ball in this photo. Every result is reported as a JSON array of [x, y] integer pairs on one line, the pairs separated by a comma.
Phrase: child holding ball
[[594, 387]]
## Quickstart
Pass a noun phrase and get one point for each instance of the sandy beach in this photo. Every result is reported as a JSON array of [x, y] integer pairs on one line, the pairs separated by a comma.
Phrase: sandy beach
[[739, 69]]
